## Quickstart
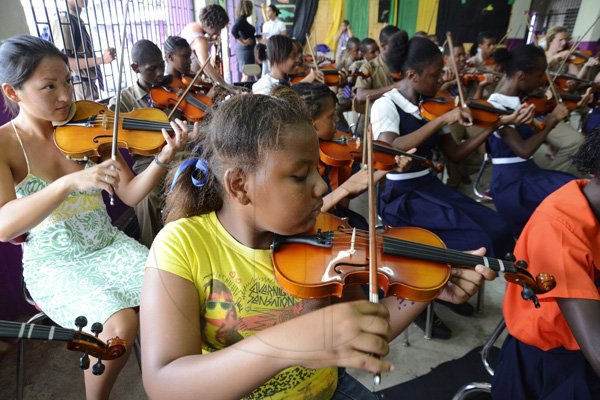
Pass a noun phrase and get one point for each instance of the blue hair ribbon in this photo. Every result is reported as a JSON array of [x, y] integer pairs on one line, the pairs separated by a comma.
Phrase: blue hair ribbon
[[201, 165]]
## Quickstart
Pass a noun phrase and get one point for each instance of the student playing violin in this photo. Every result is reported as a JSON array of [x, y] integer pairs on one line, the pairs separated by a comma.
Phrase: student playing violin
[[486, 45], [147, 62], [346, 182], [518, 184], [283, 57], [213, 318], [554, 352], [459, 172], [178, 56], [75, 262], [419, 198]]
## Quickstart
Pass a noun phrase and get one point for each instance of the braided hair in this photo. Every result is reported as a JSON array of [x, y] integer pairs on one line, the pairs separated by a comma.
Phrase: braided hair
[[587, 158]]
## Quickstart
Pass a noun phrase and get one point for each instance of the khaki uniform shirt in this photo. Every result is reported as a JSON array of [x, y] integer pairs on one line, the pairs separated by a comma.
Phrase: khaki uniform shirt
[[379, 75], [132, 97], [66, 42]]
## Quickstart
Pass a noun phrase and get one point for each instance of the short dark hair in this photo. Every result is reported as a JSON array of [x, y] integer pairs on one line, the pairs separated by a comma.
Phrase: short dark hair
[[366, 43], [386, 33], [314, 95], [213, 16], [173, 43], [20, 57], [346, 22], [525, 57], [587, 158], [481, 36], [145, 52], [279, 48], [455, 43], [274, 9], [352, 43]]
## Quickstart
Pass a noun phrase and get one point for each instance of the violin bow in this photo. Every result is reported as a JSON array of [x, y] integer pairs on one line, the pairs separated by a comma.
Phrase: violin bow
[[187, 89], [503, 37], [373, 287], [461, 96], [115, 138], [312, 53]]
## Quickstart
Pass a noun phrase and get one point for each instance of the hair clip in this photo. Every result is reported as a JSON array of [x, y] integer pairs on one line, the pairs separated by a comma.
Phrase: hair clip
[[200, 165]]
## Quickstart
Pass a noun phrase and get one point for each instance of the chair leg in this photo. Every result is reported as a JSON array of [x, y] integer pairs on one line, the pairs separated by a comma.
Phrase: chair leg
[[138, 351], [405, 341], [21, 356], [429, 321], [473, 387]]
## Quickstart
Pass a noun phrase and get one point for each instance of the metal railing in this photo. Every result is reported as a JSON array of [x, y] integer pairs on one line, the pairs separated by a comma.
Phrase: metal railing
[[103, 20]]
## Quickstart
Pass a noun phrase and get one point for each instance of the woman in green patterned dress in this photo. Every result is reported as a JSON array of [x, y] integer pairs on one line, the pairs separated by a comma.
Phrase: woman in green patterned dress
[[75, 262]]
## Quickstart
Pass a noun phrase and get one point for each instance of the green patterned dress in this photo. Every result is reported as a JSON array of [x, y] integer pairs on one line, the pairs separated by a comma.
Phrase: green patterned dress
[[76, 262]]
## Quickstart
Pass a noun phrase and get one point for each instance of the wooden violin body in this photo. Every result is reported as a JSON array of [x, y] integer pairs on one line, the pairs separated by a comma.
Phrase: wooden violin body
[[90, 130], [194, 106], [412, 263], [343, 150]]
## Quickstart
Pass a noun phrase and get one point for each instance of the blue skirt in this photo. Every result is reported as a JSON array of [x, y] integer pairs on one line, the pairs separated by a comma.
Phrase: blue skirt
[[520, 187], [459, 221], [525, 372]]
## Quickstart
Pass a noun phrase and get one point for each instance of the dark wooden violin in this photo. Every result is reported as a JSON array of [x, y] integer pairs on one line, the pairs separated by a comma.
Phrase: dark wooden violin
[[484, 114], [343, 150], [90, 131], [76, 340], [413, 263], [194, 106]]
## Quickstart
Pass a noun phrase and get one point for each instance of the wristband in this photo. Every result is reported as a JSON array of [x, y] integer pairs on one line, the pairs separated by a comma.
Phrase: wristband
[[160, 163]]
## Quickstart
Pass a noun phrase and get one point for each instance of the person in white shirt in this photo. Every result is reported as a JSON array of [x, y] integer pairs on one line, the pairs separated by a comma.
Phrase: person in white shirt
[[274, 26]]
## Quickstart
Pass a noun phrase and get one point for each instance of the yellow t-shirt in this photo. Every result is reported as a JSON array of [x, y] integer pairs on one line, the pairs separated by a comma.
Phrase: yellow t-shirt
[[239, 297]]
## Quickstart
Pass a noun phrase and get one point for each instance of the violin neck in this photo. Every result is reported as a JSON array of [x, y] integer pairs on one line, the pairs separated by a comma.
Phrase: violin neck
[[21, 330], [197, 103], [396, 152], [153, 126], [404, 248]]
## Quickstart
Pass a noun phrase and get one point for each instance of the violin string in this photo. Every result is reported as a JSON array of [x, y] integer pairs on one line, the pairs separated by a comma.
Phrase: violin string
[[141, 124], [415, 249], [9, 329]]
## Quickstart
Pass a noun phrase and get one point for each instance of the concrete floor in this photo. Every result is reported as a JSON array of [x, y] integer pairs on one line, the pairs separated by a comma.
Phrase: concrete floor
[[51, 372]]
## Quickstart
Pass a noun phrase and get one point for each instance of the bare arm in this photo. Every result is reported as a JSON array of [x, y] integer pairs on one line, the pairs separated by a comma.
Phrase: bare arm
[[174, 368], [132, 189], [18, 216], [583, 317], [200, 47]]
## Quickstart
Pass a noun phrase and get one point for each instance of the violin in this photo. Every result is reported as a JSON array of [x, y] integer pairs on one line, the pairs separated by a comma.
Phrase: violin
[[467, 77], [331, 76], [89, 131], [76, 340], [580, 57], [344, 150], [194, 106], [413, 263], [484, 114], [202, 86]]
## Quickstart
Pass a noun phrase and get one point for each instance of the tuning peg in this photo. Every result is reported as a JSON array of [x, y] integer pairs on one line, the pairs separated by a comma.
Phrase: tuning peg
[[510, 257], [528, 294], [81, 322], [522, 264], [97, 328], [84, 361], [98, 368]]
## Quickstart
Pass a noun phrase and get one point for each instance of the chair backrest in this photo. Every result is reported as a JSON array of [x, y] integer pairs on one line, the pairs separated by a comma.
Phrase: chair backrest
[[252, 70]]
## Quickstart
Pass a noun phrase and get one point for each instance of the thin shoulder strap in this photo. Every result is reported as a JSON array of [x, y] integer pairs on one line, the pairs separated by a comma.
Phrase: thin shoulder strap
[[22, 147]]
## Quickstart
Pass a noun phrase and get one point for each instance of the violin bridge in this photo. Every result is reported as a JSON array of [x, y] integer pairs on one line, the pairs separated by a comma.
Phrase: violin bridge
[[352, 241], [105, 122]]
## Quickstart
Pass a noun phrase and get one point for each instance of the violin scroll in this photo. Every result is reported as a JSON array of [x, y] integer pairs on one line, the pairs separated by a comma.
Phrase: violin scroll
[[541, 284]]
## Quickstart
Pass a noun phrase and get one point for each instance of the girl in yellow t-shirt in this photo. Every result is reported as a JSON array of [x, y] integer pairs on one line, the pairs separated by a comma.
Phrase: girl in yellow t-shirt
[[214, 321]]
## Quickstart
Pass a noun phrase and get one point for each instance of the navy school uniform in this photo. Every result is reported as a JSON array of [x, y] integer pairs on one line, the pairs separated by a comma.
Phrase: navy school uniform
[[532, 373], [518, 185], [419, 198]]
